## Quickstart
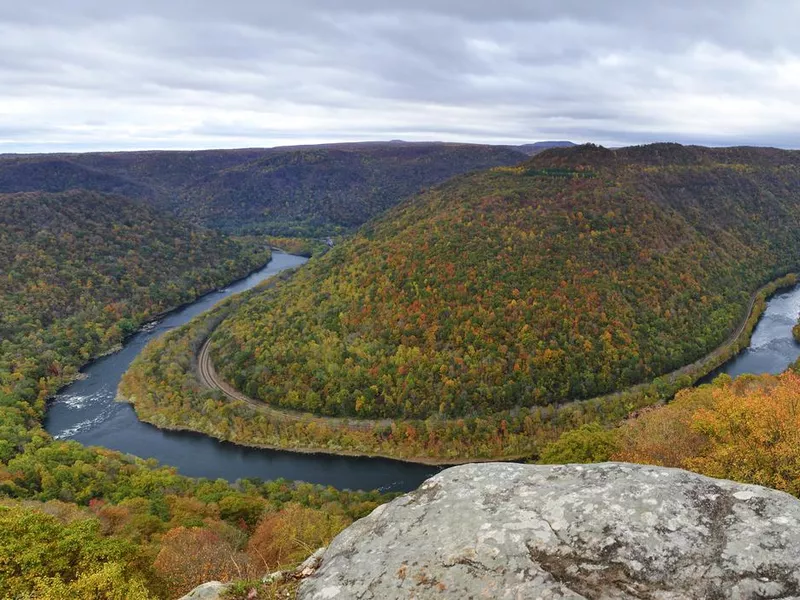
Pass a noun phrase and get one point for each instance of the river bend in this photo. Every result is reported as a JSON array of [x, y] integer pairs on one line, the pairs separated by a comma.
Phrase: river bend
[[86, 411]]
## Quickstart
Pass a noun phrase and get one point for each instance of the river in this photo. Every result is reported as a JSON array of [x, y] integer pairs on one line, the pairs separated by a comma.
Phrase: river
[[772, 347], [86, 411]]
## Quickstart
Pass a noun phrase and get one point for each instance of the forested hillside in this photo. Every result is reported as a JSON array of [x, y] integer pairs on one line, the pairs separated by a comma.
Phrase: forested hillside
[[319, 190], [575, 274], [88, 252], [302, 190], [745, 429], [80, 270]]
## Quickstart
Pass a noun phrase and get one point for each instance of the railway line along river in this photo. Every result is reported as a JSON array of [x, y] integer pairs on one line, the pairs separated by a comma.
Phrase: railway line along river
[[772, 348], [86, 411]]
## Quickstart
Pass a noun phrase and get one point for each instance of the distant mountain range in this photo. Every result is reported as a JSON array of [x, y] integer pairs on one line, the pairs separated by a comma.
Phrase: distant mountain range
[[294, 190], [291, 190]]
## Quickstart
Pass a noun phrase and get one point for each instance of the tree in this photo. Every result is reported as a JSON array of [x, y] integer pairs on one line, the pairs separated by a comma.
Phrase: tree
[[191, 556], [290, 535], [588, 444]]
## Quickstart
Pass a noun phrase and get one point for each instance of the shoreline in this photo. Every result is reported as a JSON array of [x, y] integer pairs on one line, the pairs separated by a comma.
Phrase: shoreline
[[427, 461], [200, 296], [80, 375], [739, 336]]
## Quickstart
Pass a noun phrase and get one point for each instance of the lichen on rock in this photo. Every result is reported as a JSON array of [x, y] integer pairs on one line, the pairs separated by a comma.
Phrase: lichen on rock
[[213, 590], [603, 531]]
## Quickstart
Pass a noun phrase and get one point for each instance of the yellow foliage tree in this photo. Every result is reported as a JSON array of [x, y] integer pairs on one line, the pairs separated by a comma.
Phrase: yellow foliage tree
[[747, 430]]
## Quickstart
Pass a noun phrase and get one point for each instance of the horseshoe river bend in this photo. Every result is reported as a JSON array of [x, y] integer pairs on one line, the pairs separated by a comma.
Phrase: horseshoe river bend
[[86, 410]]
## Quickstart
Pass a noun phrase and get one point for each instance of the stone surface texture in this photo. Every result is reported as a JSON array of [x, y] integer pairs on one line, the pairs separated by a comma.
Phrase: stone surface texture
[[603, 531]]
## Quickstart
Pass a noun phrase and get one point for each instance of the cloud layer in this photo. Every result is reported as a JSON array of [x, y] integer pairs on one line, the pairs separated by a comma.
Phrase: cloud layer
[[91, 74]]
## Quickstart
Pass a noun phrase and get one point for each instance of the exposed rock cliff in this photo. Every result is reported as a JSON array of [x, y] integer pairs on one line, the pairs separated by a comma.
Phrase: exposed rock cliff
[[597, 531]]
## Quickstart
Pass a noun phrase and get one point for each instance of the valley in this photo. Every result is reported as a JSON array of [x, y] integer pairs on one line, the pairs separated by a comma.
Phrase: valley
[[490, 314], [539, 309], [88, 412], [420, 300], [522, 426]]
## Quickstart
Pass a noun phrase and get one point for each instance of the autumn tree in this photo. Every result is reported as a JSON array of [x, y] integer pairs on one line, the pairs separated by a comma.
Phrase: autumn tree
[[191, 556], [290, 535]]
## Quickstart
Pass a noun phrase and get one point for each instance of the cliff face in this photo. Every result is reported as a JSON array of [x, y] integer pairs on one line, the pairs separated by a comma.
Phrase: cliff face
[[594, 531]]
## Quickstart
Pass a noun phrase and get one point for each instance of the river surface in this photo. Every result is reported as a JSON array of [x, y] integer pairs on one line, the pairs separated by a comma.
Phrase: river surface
[[772, 347], [86, 411]]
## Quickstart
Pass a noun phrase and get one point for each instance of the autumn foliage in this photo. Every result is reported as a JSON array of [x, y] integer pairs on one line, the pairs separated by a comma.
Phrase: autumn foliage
[[79, 271], [579, 273], [746, 430], [191, 556], [298, 191], [289, 536]]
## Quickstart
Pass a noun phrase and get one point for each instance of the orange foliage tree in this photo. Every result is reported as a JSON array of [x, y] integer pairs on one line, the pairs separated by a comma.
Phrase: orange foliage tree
[[747, 430], [291, 534]]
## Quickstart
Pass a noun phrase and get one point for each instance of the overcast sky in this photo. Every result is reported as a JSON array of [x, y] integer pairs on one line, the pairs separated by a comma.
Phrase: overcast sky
[[102, 74]]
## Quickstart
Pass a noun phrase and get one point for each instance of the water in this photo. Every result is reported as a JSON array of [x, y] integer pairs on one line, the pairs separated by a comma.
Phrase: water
[[772, 348], [87, 412]]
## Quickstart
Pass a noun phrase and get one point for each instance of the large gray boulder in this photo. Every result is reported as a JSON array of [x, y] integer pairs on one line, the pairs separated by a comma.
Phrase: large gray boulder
[[579, 531]]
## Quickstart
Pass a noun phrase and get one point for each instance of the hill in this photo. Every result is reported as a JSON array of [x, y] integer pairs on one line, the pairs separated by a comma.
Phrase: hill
[[538, 147], [301, 190], [578, 273], [59, 174], [318, 190]]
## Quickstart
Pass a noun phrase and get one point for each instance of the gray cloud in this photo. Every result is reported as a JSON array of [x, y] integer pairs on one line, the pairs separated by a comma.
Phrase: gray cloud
[[90, 74]]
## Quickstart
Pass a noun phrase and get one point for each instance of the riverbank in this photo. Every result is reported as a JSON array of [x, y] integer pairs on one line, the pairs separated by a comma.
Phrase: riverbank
[[165, 313], [738, 340], [146, 320], [163, 386], [511, 435], [329, 452], [87, 413]]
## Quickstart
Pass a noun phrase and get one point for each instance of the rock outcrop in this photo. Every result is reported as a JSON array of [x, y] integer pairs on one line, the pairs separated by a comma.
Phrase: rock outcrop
[[604, 531]]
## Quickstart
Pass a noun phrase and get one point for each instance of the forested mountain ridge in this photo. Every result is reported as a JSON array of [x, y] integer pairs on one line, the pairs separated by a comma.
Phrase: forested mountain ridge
[[538, 147], [300, 190], [317, 190], [59, 174], [577, 273]]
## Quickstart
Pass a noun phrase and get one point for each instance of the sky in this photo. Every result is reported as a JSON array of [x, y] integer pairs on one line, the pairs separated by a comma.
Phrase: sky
[[79, 75]]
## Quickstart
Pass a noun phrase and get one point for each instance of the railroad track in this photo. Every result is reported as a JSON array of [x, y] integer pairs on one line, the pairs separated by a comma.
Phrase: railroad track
[[209, 377]]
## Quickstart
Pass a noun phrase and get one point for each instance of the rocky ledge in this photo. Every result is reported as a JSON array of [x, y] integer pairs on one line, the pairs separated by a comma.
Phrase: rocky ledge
[[602, 531]]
